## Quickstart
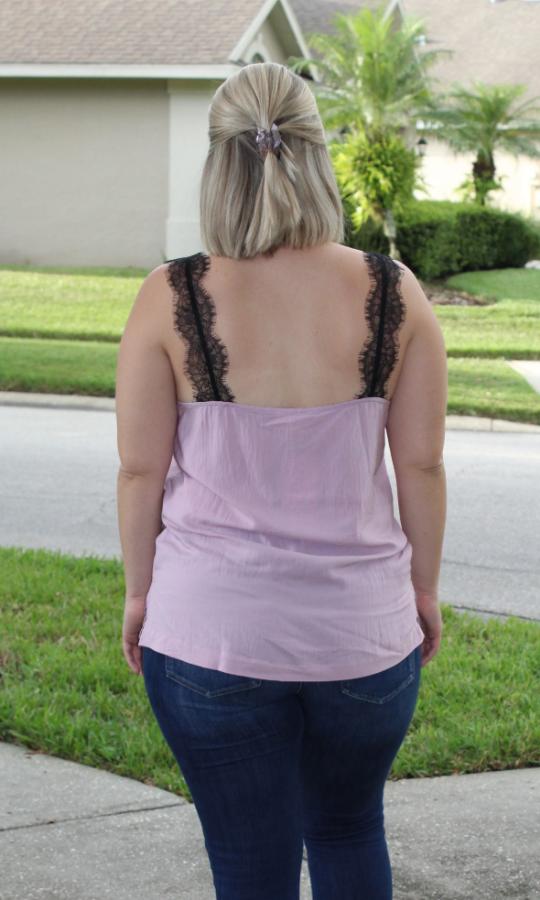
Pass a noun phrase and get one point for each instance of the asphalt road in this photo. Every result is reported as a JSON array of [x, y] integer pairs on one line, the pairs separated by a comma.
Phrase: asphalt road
[[58, 489]]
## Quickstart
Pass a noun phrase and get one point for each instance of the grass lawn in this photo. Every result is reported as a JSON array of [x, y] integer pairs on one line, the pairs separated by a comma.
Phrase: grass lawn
[[68, 691], [81, 304], [60, 330], [507, 326], [476, 387], [490, 388], [500, 284], [58, 366]]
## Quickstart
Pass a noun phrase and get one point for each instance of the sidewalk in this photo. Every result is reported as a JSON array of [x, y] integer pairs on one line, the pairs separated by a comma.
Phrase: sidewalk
[[71, 832], [80, 401]]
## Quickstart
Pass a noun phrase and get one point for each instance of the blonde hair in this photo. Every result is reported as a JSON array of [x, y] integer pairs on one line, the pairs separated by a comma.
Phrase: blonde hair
[[250, 205]]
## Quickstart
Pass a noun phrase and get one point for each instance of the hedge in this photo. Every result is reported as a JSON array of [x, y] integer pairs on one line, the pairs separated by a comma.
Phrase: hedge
[[437, 238]]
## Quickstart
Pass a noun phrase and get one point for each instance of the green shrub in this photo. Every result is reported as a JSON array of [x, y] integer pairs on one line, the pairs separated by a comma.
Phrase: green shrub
[[439, 237], [370, 236], [374, 174]]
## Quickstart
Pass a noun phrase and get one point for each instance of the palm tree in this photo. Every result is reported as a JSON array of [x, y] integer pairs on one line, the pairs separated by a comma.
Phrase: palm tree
[[371, 78], [372, 84], [482, 120]]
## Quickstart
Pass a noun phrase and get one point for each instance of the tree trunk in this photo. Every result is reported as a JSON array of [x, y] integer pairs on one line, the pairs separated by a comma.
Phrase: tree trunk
[[483, 172], [389, 228]]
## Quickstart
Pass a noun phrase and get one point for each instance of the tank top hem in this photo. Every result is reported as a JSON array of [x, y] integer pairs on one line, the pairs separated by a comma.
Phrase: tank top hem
[[224, 660]]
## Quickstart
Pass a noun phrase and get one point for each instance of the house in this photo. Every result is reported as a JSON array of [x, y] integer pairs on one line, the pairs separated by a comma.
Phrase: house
[[492, 41], [104, 105], [103, 112]]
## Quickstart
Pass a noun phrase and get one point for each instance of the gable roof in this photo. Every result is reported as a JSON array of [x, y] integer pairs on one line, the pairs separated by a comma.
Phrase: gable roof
[[139, 32], [318, 15], [154, 32], [492, 42]]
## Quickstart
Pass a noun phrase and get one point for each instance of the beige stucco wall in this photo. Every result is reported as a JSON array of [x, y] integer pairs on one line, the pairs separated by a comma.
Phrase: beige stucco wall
[[444, 170], [103, 171], [83, 171]]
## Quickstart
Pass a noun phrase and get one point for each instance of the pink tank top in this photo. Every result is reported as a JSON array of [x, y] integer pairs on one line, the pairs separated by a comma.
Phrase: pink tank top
[[281, 557]]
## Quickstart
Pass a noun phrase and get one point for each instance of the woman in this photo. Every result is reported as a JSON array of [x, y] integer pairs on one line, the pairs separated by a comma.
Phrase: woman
[[277, 610]]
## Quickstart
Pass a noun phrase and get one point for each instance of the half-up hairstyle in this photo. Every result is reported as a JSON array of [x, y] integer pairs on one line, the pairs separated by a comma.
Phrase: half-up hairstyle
[[250, 204]]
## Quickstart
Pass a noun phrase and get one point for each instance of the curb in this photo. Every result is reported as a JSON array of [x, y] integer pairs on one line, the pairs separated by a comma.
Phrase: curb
[[58, 401], [82, 401]]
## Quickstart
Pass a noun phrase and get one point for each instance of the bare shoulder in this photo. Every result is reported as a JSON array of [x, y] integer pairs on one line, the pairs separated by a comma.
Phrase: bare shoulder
[[348, 256], [157, 279], [419, 307], [359, 261], [155, 290], [153, 284], [362, 259], [151, 306], [419, 312], [351, 264]]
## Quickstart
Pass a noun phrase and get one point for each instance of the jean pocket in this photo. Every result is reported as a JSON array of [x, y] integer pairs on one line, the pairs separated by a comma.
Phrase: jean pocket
[[382, 686], [207, 682]]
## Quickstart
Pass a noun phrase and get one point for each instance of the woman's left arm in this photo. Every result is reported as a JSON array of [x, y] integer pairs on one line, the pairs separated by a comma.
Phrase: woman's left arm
[[146, 419]]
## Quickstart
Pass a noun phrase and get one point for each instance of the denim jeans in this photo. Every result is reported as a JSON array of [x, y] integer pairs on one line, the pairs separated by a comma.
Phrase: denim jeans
[[273, 765]]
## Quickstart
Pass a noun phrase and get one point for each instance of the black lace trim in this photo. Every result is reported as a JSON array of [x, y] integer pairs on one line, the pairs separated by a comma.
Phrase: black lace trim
[[385, 312], [207, 360]]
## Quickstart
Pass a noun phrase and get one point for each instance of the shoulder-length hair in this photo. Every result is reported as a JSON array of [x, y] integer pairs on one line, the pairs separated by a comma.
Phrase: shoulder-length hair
[[250, 204]]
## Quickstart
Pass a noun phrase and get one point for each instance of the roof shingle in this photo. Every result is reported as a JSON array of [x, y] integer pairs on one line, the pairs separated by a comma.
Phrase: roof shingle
[[159, 32], [496, 43], [493, 42]]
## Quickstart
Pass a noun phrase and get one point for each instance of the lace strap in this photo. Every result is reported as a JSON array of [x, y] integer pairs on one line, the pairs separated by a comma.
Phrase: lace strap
[[194, 315], [380, 331], [385, 312], [200, 330], [207, 359]]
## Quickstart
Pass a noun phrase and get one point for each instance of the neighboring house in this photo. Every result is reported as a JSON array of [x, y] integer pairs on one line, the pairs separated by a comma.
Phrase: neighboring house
[[493, 41], [104, 112]]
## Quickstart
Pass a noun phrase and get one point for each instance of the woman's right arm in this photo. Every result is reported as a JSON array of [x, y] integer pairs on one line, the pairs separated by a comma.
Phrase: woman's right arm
[[416, 430]]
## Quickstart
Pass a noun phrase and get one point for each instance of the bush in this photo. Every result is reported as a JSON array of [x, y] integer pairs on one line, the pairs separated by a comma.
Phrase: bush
[[370, 236], [438, 238], [374, 173]]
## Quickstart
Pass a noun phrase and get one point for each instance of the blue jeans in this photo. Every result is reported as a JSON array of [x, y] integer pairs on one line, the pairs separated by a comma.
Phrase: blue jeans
[[271, 765]]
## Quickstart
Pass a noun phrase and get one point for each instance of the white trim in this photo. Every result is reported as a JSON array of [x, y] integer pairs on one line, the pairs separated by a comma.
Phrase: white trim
[[188, 142], [250, 32], [393, 6], [257, 22], [113, 70], [295, 27]]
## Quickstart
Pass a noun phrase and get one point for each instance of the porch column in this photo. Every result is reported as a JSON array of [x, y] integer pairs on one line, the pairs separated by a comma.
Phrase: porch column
[[189, 102]]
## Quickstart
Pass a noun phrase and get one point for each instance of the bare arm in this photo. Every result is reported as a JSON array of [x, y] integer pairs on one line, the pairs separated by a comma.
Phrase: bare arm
[[416, 430], [146, 417]]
